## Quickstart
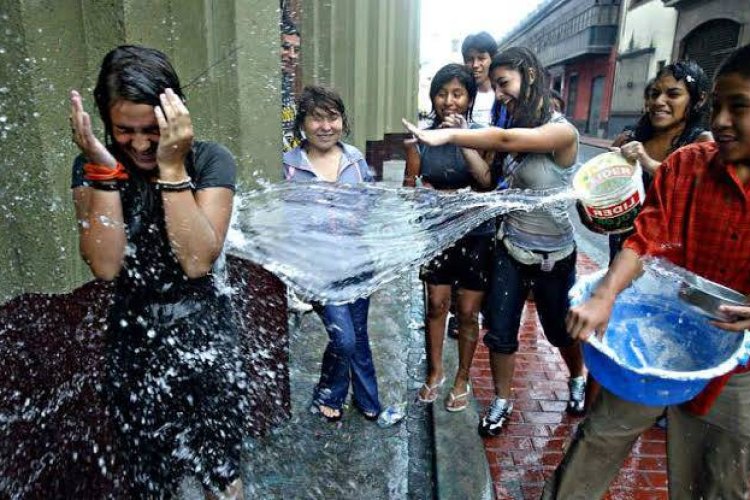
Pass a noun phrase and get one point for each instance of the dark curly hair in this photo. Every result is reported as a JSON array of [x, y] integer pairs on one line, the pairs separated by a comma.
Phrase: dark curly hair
[[447, 74], [698, 85], [318, 97], [532, 108]]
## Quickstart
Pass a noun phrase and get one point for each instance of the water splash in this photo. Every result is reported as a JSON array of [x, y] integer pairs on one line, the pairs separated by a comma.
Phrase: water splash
[[334, 243]]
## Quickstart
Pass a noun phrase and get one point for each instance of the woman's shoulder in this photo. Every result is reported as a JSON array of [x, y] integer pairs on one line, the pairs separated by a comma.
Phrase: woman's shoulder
[[214, 165], [208, 149], [351, 152], [293, 156], [558, 117]]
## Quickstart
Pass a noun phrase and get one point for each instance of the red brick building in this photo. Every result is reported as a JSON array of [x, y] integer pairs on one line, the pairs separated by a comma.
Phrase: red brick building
[[575, 40]]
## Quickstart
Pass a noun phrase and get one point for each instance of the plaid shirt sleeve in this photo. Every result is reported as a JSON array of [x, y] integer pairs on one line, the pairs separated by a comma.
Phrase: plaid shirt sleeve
[[655, 233]]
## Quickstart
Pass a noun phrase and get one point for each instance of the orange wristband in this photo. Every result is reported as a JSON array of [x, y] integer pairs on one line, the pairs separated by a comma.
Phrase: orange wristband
[[96, 172]]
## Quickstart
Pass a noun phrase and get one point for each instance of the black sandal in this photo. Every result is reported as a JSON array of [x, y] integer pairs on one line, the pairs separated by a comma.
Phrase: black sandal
[[315, 410]]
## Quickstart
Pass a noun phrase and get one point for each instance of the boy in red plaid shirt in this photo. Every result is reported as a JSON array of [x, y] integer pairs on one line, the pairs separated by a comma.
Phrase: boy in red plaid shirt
[[696, 215]]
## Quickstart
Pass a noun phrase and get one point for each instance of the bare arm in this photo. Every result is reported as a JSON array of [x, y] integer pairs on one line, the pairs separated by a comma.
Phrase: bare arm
[[478, 167], [101, 230], [197, 226], [196, 223], [557, 138], [413, 163], [593, 315], [475, 161]]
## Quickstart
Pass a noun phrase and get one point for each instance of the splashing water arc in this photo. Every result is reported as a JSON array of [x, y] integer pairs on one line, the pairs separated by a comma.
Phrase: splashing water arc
[[334, 243]]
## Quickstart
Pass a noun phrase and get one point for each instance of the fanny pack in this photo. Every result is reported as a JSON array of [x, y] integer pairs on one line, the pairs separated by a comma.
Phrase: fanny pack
[[546, 260]]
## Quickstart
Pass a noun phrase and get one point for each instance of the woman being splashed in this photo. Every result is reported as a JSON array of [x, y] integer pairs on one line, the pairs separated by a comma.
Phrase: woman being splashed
[[321, 121], [153, 209], [535, 250], [465, 265]]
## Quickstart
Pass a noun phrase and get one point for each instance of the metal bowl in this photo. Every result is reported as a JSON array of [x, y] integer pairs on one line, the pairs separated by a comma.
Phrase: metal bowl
[[706, 296]]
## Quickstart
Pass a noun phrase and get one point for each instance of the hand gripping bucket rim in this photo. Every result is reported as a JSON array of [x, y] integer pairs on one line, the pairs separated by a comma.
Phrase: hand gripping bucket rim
[[612, 210]]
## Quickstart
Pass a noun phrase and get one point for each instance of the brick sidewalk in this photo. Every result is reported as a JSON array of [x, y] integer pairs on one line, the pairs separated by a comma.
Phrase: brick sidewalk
[[532, 444]]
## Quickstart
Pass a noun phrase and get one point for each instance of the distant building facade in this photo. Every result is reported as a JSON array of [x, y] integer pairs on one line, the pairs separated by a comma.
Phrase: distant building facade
[[708, 30], [576, 41], [647, 31]]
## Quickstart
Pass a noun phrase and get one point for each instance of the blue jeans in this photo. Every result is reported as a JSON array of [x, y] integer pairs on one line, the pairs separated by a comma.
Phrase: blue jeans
[[347, 357], [509, 288]]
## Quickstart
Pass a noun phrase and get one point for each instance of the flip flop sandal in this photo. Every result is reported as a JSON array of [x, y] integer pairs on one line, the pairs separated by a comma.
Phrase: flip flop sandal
[[315, 410], [455, 403], [371, 416], [431, 391]]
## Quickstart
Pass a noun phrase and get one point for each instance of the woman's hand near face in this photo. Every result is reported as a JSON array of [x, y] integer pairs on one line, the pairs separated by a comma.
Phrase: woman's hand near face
[[83, 135], [175, 136], [455, 121]]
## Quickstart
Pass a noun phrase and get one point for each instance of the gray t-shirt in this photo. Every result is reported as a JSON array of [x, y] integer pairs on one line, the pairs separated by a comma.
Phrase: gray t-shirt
[[544, 230]]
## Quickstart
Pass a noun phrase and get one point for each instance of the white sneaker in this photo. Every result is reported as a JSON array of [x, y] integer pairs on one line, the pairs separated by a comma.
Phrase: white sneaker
[[495, 416]]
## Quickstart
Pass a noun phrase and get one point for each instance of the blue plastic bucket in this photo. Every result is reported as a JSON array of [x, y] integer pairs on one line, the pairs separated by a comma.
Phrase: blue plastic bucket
[[657, 351]]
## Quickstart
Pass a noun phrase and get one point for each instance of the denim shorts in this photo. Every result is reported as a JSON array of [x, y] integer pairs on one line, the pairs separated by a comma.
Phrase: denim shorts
[[509, 288], [466, 265]]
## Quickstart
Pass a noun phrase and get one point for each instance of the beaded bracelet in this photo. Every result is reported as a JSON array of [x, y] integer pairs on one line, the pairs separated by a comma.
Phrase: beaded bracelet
[[175, 186]]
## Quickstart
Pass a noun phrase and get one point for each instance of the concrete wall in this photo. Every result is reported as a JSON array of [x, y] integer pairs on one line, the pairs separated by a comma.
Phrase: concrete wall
[[226, 53], [369, 51]]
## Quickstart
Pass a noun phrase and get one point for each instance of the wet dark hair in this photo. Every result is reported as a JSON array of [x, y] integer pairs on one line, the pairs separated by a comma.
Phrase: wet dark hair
[[698, 85], [532, 108], [737, 62], [287, 25], [447, 74], [323, 98], [136, 74], [481, 42]]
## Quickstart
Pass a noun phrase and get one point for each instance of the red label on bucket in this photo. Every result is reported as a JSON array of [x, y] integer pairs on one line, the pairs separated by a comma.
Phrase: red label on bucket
[[615, 210]]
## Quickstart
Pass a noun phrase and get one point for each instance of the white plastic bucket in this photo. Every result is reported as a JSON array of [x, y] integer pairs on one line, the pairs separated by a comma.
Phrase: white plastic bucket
[[611, 191]]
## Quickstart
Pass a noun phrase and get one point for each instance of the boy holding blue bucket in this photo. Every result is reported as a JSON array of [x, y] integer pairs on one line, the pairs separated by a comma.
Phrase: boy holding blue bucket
[[696, 216]]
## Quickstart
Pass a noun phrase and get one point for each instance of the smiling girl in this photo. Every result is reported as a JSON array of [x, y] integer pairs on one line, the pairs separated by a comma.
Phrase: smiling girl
[[676, 104], [153, 208], [322, 157], [535, 251], [466, 264]]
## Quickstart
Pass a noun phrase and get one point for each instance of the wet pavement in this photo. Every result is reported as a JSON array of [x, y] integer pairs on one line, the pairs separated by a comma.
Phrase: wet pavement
[[532, 445], [308, 457]]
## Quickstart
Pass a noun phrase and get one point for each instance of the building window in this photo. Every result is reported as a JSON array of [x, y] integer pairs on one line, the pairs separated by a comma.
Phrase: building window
[[602, 35], [710, 43]]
